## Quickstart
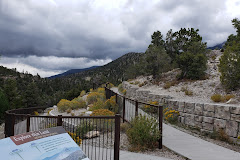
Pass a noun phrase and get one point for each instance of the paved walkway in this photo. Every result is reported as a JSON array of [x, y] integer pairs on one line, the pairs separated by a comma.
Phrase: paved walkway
[[195, 148], [124, 155]]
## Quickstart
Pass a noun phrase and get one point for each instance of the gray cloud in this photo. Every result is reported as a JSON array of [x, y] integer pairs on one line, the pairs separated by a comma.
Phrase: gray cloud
[[100, 30]]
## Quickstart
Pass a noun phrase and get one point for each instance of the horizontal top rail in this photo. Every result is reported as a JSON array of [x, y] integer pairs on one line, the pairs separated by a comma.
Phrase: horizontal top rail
[[134, 100]]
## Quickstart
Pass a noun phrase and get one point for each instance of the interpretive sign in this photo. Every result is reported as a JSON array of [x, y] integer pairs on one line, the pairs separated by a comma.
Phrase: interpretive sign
[[48, 144]]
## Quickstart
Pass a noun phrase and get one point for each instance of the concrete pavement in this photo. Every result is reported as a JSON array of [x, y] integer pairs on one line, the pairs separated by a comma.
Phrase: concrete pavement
[[195, 148], [124, 155]]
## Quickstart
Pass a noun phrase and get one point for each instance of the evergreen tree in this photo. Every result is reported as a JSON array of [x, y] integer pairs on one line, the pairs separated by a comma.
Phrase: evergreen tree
[[230, 60], [4, 104]]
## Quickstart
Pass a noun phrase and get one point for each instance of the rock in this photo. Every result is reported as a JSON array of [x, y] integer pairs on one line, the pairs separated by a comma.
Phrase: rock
[[235, 110], [189, 107], [189, 119], [89, 106], [198, 109], [222, 112], [208, 114], [208, 107], [219, 123], [198, 118], [208, 119], [181, 106], [92, 134], [232, 101], [235, 117], [88, 113], [232, 128], [207, 126]]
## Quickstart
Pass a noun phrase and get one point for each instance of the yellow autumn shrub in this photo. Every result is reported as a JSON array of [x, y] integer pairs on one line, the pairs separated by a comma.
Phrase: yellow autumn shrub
[[63, 105], [170, 115], [111, 104], [102, 112]]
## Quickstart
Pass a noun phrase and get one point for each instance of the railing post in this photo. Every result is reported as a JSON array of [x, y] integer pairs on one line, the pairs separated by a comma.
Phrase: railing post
[[117, 137], [116, 97], [28, 123], [160, 116], [124, 99], [59, 120], [12, 124], [136, 108]]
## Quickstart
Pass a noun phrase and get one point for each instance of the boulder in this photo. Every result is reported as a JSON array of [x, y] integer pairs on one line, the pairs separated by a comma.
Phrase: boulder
[[92, 134], [88, 113]]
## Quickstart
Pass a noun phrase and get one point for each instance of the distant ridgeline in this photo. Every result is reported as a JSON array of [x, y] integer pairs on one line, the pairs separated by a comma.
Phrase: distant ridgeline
[[218, 46], [25, 90], [72, 71]]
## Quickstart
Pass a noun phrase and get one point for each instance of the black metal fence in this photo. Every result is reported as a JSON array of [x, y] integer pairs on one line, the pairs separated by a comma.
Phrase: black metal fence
[[98, 136], [130, 108]]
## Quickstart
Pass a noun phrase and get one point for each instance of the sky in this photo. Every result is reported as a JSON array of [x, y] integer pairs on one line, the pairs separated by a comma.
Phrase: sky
[[49, 37]]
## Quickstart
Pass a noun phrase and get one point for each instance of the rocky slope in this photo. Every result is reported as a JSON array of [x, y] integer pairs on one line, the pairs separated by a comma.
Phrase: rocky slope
[[185, 90]]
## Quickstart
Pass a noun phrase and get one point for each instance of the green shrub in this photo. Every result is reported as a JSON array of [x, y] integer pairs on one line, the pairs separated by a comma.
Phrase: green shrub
[[124, 127], [143, 133], [136, 82], [69, 110], [110, 85], [35, 113], [187, 91], [216, 97], [99, 104], [228, 97], [83, 128], [94, 96], [82, 93], [221, 98], [101, 90], [78, 103], [151, 109], [121, 89]]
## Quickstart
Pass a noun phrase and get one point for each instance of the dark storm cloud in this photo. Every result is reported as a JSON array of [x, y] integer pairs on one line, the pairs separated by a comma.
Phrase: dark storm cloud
[[58, 35]]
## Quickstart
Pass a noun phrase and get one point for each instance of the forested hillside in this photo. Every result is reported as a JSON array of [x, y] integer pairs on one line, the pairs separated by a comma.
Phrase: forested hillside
[[25, 90]]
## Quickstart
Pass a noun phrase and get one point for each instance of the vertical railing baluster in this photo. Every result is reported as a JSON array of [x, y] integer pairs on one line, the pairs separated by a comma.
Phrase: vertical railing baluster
[[123, 117], [136, 108], [160, 116], [28, 123], [117, 137]]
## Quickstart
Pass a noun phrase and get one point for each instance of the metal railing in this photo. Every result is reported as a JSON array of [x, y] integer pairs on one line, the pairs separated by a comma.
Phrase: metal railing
[[130, 108], [98, 136]]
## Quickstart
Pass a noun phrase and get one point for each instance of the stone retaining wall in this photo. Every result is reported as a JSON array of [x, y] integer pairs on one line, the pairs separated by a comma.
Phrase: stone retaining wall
[[205, 116]]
